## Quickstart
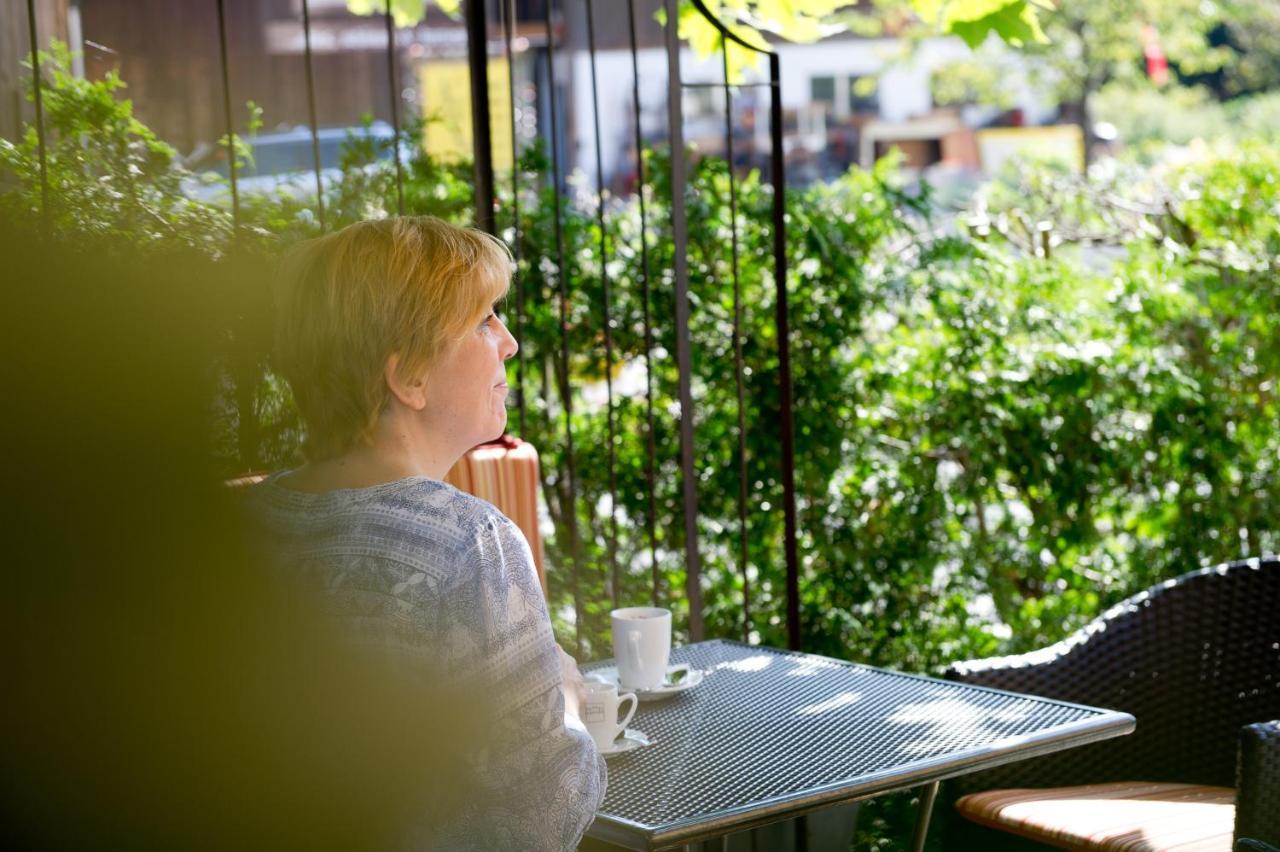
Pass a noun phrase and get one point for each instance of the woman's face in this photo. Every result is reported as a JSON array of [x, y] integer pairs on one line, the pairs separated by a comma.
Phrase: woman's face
[[467, 386]]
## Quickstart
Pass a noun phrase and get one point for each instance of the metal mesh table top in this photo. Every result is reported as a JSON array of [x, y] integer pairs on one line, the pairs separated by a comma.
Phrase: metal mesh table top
[[771, 733]]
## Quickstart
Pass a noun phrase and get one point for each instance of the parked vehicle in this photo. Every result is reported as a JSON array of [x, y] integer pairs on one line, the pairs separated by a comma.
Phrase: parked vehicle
[[284, 161]]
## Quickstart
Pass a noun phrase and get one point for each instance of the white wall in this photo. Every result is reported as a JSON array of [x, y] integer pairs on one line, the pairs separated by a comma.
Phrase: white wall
[[903, 91]]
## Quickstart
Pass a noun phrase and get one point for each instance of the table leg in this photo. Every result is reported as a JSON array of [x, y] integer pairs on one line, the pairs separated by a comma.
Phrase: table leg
[[708, 845], [927, 794], [802, 834]]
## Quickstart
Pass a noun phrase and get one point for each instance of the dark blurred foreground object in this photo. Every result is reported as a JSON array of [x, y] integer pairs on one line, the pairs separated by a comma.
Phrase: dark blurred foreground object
[[1197, 661], [164, 685]]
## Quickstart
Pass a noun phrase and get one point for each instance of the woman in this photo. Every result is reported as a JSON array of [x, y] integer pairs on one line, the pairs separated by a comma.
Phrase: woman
[[390, 339]]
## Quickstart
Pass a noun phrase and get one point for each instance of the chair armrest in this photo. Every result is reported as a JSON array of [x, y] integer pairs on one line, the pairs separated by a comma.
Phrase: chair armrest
[[1246, 844], [1258, 783], [1065, 671], [1193, 659]]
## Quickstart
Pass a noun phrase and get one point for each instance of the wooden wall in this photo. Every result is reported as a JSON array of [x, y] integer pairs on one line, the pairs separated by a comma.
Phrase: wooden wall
[[167, 53], [15, 48]]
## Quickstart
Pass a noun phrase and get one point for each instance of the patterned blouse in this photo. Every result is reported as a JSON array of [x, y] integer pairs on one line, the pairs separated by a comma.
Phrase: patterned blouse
[[437, 572]]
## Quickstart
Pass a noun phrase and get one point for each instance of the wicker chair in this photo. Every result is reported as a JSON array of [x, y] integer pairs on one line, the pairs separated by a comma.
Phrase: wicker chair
[[1196, 660]]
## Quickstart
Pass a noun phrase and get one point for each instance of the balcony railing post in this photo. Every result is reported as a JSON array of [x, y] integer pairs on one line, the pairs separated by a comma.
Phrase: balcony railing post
[[744, 553], [684, 359], [37, 85], [393, 86], [782, 319], [225, 67], [651, 466], [481, 128], [615, 581], [778, 174], [311, 110], [569, 502], [509, 12]]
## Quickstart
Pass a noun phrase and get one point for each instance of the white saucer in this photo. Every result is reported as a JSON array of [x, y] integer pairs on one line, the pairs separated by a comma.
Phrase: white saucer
[[630, 740], [657, 693]]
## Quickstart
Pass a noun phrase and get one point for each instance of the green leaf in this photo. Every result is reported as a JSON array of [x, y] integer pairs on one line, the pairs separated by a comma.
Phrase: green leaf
[[405, 13], [1016, 23]]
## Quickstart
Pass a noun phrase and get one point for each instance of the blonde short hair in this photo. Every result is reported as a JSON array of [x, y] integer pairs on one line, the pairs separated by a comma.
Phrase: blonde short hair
[[348, 300]]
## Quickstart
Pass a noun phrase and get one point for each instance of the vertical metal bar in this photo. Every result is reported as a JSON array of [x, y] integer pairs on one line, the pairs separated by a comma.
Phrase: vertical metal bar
[[611, 462], [684, 361], [393, 83], [743, 553], [508, 26], [226, 115], [928, 793], [778, 175], [481, 129], [570, 511], [311, 110], [651, 451], [38, 89]]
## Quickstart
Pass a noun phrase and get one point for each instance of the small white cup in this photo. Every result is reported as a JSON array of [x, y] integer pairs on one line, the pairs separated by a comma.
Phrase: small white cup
[[642, 646], [600, 712]]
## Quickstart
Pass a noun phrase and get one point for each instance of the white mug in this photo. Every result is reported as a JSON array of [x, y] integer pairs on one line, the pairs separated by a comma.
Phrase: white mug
[[600, 712], [642, 646]]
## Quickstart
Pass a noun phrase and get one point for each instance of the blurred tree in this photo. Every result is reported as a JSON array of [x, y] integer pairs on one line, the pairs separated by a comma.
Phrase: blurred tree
[[1254, 40], [1088, 45], [1015, 21], [1091, 44]]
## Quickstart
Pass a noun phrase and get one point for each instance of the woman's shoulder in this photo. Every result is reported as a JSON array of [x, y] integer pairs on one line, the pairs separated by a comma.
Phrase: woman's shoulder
[[441, 505], [414, 515]]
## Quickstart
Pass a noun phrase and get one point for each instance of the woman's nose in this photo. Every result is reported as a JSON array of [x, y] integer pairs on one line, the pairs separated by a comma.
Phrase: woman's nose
[[509, 346]]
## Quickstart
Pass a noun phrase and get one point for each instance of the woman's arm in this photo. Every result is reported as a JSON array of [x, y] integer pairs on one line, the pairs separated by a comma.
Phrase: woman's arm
[[543, 774], [574, 685]]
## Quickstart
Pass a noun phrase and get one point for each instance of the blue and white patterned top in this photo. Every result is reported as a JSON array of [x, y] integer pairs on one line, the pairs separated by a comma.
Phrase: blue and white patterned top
[[430, 570]]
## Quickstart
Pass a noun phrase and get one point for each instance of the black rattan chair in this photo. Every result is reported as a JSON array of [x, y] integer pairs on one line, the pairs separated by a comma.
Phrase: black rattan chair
[[1196, 660]]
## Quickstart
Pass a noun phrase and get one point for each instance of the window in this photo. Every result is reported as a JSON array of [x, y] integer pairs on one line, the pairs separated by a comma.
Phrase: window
[[864, 94], [822, 90]]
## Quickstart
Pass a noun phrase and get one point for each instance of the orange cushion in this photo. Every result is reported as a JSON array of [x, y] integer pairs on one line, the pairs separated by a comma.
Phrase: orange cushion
[[1129, 816], [506, 474]]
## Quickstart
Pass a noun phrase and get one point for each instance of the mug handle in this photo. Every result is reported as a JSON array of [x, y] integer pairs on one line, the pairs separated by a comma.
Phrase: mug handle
[[635, 702]]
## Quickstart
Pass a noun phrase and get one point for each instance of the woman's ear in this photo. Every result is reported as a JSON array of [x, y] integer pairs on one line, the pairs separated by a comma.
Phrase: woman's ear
[[412, 393]]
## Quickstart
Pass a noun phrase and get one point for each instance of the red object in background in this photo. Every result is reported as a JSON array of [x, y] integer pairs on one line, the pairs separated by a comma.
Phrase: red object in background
[[1157, 63]]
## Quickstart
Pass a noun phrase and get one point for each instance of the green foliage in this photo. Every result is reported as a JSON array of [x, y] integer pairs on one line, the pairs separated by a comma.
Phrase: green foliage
[[1252, 26], [973, 20], [981, 79], [1148, 119], [405, 13], [109, 175], [1014, 21], [993, 443], [1097, 42], [1098, 46], [997, 434], [1002, 427]]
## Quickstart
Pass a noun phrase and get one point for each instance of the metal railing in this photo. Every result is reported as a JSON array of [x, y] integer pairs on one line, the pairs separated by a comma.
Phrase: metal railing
[[478, 38]]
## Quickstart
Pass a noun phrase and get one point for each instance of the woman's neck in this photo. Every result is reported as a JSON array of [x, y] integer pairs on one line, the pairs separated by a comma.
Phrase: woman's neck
[[391, 455]]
